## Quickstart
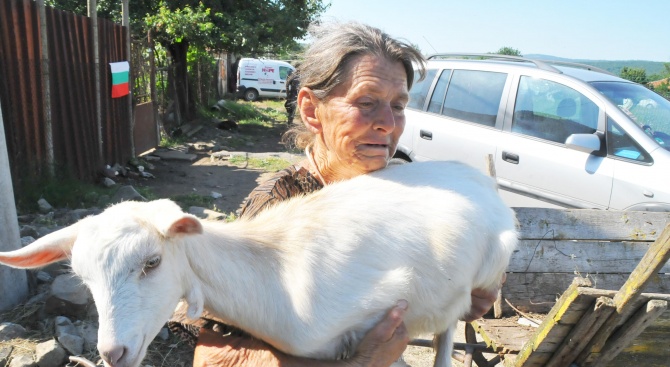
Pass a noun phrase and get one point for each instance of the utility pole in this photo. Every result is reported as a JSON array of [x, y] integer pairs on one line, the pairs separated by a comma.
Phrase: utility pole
[[13, 282]]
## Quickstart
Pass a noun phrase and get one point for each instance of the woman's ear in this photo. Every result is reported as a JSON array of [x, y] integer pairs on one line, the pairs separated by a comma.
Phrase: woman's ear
[[308, 104]]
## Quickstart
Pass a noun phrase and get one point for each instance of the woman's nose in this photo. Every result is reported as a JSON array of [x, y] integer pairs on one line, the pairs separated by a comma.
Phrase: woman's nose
[[385, 119]]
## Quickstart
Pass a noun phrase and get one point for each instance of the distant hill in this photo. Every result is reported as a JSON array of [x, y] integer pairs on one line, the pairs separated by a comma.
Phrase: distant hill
[[614, 67]]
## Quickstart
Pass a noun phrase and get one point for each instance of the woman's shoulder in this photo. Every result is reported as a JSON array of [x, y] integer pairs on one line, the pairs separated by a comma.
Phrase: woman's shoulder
[[287, 183]]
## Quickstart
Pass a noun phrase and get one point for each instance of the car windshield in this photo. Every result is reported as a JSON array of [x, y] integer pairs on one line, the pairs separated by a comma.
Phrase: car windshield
[[649, 110]]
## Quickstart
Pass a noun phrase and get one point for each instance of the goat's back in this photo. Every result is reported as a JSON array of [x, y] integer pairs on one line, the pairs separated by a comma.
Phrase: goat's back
[[425, 232]]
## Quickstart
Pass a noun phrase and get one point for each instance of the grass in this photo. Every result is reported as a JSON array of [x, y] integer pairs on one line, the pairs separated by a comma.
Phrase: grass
[[188, 200], [270, 164], [63, 191]]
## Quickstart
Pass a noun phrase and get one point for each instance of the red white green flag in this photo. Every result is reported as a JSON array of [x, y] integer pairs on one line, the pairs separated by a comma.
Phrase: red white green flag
[[120, 78]]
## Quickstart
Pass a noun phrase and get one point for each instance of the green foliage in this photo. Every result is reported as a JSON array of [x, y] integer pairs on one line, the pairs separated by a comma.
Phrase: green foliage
[[637, 75], [508, 51], [61, 191], [194, 24]]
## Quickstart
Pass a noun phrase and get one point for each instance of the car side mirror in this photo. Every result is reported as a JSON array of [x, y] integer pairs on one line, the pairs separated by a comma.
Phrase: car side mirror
[[587, 143]]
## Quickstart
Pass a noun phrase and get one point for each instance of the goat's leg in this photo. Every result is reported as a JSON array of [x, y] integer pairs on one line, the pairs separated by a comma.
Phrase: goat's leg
[[444, 346]]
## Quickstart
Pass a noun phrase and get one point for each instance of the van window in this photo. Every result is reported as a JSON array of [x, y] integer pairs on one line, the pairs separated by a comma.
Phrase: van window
[[419, 91], [474, 96], [621, 145], [552, 111], [283, 72], [436, 100]]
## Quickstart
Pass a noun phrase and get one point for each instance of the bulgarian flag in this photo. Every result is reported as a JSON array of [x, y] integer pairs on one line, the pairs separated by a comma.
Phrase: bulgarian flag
[[120, 77]]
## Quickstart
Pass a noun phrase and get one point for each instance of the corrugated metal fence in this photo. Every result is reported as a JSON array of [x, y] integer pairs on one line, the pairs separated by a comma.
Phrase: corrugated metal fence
[[77, 141]]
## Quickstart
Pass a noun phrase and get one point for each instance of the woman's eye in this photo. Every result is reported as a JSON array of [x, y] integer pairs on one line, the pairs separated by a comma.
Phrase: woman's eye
[[366, 104]]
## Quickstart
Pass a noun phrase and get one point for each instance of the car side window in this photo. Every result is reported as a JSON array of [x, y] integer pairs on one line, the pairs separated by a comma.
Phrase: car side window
[[420, 88], [552, 111], [283, 72], [620, 144], [474, 96], [435, 104]]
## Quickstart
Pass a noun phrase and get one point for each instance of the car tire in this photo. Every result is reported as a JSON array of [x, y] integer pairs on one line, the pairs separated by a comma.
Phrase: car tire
[[250, 95]]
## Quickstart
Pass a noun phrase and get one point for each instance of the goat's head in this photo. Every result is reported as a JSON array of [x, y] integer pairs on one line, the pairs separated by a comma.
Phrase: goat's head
[[128, 259]]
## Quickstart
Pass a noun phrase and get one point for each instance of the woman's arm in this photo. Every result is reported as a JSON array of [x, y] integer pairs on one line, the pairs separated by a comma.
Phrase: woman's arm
[[380, 347]]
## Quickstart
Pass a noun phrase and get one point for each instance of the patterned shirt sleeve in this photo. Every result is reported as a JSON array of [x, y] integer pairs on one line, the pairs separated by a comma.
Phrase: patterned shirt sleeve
[[286, 184]]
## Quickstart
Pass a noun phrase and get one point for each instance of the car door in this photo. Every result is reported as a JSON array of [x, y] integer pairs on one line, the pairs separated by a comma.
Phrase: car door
[[533, 159], [460, 119]]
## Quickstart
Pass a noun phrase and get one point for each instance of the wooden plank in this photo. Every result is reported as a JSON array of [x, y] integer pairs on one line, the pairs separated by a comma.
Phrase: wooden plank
[[649, 349], [586, 224], [503, 335], [582, 332], [630, 331], [584, 257], [625, 298], [557, 324], [538, 292]]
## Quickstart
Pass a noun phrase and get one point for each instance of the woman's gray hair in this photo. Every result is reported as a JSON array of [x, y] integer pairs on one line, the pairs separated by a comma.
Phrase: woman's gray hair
[[325, 63]]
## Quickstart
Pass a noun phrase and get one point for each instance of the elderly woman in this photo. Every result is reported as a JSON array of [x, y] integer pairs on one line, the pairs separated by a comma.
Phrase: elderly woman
[[354, 88]]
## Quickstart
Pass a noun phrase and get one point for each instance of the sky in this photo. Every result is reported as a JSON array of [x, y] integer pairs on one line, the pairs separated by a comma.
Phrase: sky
[[575, 29]]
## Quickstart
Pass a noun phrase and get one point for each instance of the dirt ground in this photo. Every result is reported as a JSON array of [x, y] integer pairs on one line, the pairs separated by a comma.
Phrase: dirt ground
[[207, 174]]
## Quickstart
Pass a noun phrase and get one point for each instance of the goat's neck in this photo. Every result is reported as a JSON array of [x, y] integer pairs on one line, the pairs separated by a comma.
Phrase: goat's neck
[[240, 275]]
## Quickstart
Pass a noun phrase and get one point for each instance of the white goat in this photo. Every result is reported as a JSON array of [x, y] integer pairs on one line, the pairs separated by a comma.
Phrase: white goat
[[310, 275]]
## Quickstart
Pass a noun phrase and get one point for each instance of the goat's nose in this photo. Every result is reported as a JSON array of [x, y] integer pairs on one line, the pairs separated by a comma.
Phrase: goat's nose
[[112, 353]]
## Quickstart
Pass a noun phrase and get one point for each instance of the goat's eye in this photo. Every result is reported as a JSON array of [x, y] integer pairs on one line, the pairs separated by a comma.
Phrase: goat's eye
[[152, 263]]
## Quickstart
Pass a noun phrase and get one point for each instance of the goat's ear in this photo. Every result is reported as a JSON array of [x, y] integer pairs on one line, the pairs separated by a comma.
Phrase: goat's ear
[[170, 220], [185, 225], [51, 248]]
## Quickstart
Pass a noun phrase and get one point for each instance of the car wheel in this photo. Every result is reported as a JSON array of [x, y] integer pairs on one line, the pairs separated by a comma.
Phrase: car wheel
[[250, 95]]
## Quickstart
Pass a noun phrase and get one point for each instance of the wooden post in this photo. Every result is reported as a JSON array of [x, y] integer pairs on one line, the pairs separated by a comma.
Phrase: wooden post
[[46, 89], [497, 305], [13, 282], [125, 9], [93, 14]]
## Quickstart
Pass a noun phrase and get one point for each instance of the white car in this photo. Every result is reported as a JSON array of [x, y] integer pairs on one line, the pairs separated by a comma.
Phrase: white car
[[567, 136]]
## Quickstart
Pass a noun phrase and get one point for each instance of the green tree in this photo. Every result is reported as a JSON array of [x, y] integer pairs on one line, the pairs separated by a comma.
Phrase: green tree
[[508, 51], [637, 75]]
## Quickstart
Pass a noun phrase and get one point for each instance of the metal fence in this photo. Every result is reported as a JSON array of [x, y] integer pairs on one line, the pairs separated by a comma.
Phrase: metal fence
[[48, 94]]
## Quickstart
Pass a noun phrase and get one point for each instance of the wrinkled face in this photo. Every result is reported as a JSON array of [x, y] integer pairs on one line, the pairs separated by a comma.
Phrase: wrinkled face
[[363, 117], [127, 271]]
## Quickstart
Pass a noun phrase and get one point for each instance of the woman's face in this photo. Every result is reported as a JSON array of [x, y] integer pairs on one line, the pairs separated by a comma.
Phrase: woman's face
[[361, 121]]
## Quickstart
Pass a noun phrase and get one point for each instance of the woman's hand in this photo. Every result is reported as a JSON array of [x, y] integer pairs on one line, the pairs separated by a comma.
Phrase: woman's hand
[[482, 301], [380, 347], [386, 342]]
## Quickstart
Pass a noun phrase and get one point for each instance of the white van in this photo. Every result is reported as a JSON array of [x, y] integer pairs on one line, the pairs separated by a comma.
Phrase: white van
[[262, 78]]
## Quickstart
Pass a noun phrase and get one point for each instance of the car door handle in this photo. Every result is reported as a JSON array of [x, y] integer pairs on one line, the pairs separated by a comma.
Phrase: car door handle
[[511, 158], [424, 134]]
